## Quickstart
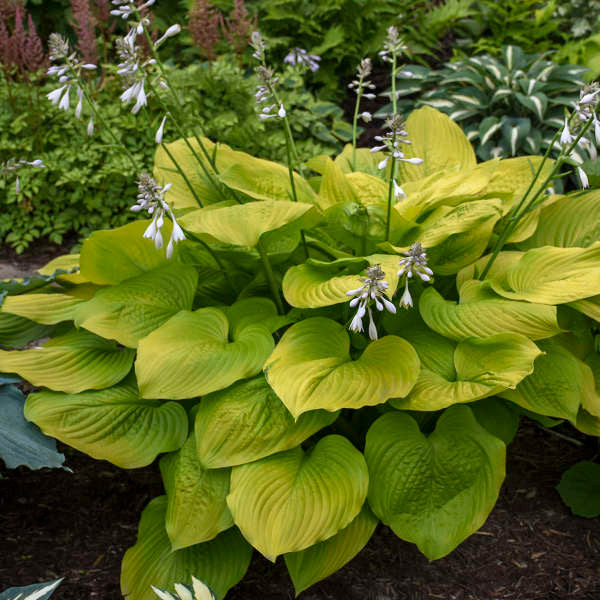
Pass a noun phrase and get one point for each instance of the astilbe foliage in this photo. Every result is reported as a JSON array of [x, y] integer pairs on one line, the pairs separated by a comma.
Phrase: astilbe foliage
[[84, 24], [20, 48], [204, 27]]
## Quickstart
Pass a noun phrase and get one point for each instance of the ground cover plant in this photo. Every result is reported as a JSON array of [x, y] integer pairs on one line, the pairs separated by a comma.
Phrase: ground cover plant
[[315, 347]]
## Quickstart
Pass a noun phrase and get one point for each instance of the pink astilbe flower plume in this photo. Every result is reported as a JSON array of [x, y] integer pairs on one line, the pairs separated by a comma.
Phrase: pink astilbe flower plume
[[204, 27], [84, 24]]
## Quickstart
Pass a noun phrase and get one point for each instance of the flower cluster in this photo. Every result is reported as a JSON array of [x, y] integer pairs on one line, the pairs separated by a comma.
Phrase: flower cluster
[[362, 83], [393, 45], [298, 57], [151, 198], [69, 75], [12, 166], [125, 8], [371, 292], [415, 262]]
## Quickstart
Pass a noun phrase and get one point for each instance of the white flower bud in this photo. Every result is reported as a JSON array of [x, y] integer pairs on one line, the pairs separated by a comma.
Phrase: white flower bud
[[159, 134]]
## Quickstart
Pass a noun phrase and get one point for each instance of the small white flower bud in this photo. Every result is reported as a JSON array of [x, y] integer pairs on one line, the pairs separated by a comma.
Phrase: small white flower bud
[[159, 134]]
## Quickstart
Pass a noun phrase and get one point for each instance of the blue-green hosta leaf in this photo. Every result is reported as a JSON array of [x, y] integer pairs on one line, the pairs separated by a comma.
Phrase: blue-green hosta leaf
[[22, 443], [557, 386], [569, 222], [197, 510], [130, 310], [114, 424], [311, 368], [579, 489], [244, 224], [309, 566], [551, 275], [317, 283], [439, 141], [292, 500], [247, 421], [111, 256], [190, 355], [220, 563], [37, 591], [483, 367], [486, 315], [433, 491], [17, 332], [73, 362]]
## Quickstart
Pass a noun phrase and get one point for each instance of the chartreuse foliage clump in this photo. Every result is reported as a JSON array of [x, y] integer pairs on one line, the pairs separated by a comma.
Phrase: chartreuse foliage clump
[[281, 428]]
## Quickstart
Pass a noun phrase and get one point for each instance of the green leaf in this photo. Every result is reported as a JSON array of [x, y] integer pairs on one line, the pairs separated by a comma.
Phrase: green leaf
[[439, 141], [335, 187], [292, 500], [22, 443], [17, 332], [130, 310], [579, 489], [190, 355], [483, 367], [486, 314], [433, 491], [114, 424], [555, 387], [551, 275], [500, 418], [197, 508], [111, 256], [309, 566], [37, 591], [311, 368], [71, 363], [244, 224], [317, 283], [247, 421], [220, 563]]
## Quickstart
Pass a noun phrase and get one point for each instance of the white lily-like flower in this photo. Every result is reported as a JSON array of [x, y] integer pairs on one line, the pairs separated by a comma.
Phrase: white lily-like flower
[[170, 32], [406, 299], [281, 112], [413, 263], [566, 137], [298, 57], [390, 143], [159, 133], [90, 127], [398, 191], [56, 95]]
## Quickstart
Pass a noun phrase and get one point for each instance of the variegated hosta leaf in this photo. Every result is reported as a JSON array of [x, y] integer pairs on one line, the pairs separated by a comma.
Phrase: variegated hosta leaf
[[551, 275], [433, 491], [292, 500], [47, 309], [37, 591], [317, 283], [486, 315], [569, 222], [130, 310], [220, 563], [244, 224], [311, 368], [439, 141], [559, 385], [114, 424], [483, 367], [71, 363], [198, 588], [190, 355], [309, 566], [197, 510], [111, 256], [247, 421]]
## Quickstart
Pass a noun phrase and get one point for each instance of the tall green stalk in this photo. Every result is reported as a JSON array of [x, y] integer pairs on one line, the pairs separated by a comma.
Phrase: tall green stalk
[[270, 277]]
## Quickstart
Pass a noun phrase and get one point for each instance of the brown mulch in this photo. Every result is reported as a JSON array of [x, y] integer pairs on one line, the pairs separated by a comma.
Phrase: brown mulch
[[78, 525]]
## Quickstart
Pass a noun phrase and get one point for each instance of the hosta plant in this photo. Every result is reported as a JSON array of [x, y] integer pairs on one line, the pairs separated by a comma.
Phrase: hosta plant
[[37, 591], [509, 105], [318, 355]]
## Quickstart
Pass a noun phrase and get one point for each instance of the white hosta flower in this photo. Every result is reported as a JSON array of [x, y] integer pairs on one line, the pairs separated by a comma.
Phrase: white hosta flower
[[361, 83], [366, 116], [372, 292], [281, 112], [12, 166], [566, 137], [413, 263], [298, 57], [151, 198], [258, 44], [56, 95], [90, 127], [170, 32], [159, 133], [390, 143], [393, 45], [398, 191]]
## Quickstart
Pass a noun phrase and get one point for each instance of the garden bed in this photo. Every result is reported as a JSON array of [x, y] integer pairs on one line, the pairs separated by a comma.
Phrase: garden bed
[[78, 525]]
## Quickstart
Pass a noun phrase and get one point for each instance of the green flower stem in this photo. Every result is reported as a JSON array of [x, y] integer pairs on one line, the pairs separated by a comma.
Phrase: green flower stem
[[99, 117], [394, 99], [355, 122], [522, 209], [389, 202], [182, 134], [270, 277]]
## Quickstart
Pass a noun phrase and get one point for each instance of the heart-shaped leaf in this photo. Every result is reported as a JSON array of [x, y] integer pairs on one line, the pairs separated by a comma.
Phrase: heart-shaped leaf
[[220, 563], [114, 424], [71, 363], [433, 491], [247, 421], [197, 510], [309, 566], [579, 489], [190, 355], [291, 500], [311, 368], [130, 310]]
